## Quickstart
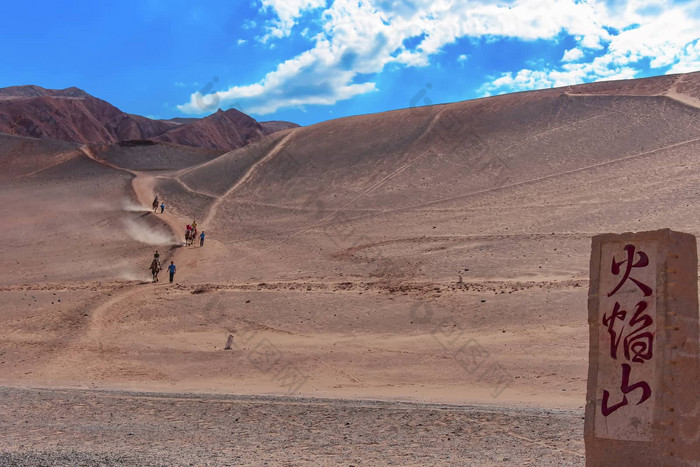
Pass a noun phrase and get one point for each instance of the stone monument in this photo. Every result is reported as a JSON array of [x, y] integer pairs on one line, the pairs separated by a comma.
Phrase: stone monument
[[643, 404]]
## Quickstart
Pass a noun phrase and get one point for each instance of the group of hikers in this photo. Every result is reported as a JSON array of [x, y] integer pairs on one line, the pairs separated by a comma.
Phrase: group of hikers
[[190, 236]]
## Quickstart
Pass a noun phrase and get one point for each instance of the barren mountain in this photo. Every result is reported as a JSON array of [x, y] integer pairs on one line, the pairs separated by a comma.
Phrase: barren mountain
[[70, 115], [221, 130], [267, 127], [73, 115], [355, 258]]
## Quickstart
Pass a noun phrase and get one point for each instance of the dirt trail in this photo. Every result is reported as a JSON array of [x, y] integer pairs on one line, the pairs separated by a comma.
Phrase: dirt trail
[[372, 187], [192, 190], [92, 337], [143, 184], [683, 98], [143, 187], [249, 173]]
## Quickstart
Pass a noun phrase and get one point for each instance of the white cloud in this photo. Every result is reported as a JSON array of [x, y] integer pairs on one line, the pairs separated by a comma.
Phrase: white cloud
[[572, 55], [287, 11], [664, 33], [535, 79], [689, 59], [359, 38], [241, 42]]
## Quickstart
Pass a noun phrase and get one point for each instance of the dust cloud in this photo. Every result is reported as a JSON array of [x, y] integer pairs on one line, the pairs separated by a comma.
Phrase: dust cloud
[[131, 206], [146, 234]]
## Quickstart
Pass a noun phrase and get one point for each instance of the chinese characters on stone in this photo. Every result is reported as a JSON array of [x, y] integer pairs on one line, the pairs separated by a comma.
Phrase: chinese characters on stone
[[631, 327]]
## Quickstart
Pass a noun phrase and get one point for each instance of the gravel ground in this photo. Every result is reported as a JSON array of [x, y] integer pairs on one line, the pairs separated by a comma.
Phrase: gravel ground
[[43, 427]]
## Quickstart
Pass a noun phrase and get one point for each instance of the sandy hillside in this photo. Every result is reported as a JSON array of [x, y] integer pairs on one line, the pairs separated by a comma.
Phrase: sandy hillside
[[334, 252]]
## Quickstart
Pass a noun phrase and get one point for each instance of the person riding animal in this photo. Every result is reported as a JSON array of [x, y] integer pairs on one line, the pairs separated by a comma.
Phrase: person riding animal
[[155, 268], [189, 237]]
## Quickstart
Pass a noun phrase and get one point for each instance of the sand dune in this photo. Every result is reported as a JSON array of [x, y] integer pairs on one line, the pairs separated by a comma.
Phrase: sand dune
[[430, 254]]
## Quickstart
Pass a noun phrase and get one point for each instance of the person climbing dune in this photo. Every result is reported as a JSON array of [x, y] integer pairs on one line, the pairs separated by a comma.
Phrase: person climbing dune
[[171, 270]]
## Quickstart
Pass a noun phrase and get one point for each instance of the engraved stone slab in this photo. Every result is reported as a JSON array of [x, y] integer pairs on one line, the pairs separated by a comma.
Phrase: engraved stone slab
[[642, 403]]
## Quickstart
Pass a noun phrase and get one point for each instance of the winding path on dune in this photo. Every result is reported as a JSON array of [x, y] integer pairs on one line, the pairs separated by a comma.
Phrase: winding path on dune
[[143, 185], [93, 335]]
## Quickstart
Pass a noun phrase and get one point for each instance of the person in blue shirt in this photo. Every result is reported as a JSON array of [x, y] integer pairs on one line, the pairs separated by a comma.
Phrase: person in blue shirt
[[201, 238], [162, 207], [171, 270]]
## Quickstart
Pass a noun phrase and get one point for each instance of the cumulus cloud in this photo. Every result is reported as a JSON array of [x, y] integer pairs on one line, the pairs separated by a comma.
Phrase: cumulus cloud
[[287, 12], [689, 59], [357, 39], [572, 55]]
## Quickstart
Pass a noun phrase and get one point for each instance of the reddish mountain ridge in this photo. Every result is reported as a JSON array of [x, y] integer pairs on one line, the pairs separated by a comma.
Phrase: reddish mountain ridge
[[73, 115], [221, 130]]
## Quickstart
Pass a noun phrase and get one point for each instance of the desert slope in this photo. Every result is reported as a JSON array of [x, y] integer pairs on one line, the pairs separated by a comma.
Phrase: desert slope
[[334, 252], [409, 166]]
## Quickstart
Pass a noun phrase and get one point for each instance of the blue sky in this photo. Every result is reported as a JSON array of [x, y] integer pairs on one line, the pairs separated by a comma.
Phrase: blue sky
[[312, 60]]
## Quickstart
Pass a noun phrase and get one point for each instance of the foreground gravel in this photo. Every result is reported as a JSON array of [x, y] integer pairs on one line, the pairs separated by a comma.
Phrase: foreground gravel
[[42, 427]]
